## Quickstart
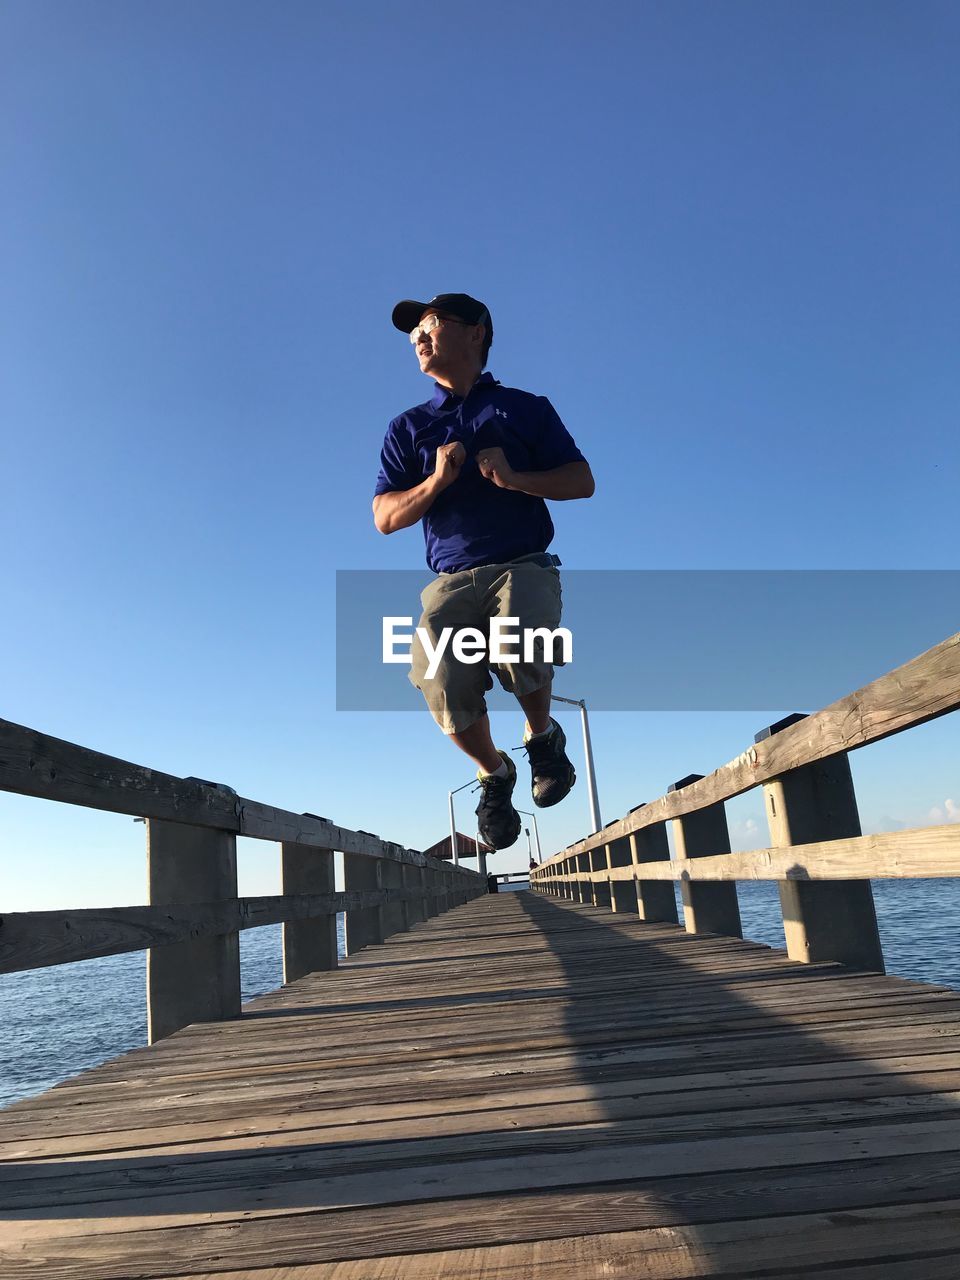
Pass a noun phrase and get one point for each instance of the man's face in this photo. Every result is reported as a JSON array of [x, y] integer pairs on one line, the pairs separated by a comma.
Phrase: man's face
[[448, 347]]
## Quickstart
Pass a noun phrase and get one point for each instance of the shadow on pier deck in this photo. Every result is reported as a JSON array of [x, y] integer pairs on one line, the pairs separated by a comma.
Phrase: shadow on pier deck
[[520, 1088]]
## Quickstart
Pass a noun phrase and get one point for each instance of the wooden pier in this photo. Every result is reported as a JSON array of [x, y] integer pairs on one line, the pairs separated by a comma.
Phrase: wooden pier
[[520, 1088], [561, 1084]]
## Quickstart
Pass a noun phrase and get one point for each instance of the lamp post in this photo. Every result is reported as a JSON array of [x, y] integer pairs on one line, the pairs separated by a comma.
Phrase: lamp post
[[454, 853], [588, 755], [536, 830], [481, 855]]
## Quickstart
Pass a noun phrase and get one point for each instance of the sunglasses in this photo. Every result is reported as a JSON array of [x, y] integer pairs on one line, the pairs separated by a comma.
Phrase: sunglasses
[[431, 322]]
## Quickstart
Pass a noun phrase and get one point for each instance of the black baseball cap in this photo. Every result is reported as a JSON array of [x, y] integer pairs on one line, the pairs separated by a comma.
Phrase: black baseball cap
[[406, 314]]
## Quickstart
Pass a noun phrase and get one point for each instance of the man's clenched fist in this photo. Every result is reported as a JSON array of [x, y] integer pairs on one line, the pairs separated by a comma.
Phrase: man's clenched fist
[[450, 460], [494, 465]]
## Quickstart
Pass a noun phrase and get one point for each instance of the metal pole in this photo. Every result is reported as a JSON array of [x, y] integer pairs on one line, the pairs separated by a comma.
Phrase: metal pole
[[453, 832], [591, 777], [588, 755], [536, 836], [536, 830]]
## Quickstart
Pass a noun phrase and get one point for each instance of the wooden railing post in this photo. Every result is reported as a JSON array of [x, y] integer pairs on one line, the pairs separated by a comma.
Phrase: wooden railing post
[[429, 884], [412, 878], [623, 894], [459, 887], [584, 887], [308, 945], [656, 899], [599, 861], [822, 919], [437, 885], [393, 914], [428, 880], [650, 899], [362, 928], [707, 908], [569, 888], [199, 980], [437, 881]]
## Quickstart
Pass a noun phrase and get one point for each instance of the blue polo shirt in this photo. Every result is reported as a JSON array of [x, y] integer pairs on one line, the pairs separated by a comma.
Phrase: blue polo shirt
[[473, 521]]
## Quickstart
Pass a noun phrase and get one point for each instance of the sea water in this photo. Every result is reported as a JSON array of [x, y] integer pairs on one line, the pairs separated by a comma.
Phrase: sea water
[[59, 1021]]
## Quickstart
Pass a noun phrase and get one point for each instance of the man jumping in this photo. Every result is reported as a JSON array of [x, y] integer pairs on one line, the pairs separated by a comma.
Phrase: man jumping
[[474, 464]]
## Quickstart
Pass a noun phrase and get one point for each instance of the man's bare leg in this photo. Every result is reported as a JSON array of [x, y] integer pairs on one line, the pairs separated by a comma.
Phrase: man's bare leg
[[476, 742], [537, 707], [498, 822]]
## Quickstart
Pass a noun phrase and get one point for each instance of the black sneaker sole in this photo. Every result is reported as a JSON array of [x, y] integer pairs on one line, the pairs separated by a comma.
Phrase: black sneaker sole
[[503, 828], [504, 842], [552, 799]]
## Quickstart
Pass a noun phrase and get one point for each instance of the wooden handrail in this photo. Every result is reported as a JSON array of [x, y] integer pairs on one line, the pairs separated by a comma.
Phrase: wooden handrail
[[35, 764], [191, 927], [916, 854], [926, 687], [38, 939], [821, 861]]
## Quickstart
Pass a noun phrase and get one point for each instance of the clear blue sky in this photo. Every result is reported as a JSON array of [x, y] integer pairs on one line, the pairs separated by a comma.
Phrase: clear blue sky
[[721, 237]]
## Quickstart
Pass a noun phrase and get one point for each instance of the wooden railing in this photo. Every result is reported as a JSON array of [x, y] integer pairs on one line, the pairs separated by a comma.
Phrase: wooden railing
[[817, 854], [191, 925]]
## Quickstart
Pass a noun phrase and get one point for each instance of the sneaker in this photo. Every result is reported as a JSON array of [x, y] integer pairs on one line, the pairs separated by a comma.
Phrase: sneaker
[[497, 819], [552, 774]]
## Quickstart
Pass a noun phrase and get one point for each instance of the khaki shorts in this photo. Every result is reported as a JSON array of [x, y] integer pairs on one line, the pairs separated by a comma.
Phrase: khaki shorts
[[527, 589]]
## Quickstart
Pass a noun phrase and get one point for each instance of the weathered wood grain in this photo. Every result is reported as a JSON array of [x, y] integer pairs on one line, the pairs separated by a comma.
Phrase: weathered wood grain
[[922, 689], [524, 1084], [487, 1223], [311, 944], [920, 853], [35, 939], [923, 1235], [198, 979], [36, 764], [914, 1083]]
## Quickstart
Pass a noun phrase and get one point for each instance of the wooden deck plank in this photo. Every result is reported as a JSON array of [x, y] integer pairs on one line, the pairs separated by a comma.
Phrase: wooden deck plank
[[802, 1104], [484, 1223], [521, 1087], [683, 1253], [220, 1189], [881, 1079], [668, 1253], [833, 1027], [501, 1084]]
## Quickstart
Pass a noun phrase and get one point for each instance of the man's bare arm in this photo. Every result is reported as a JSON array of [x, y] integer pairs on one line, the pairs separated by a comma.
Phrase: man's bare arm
[[401, 508], [572, 480]]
